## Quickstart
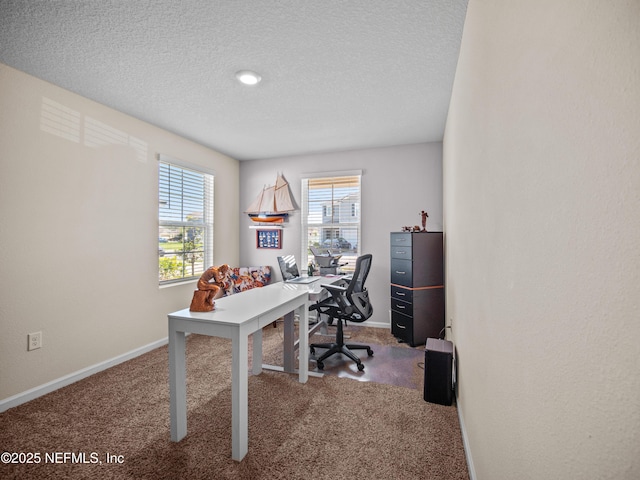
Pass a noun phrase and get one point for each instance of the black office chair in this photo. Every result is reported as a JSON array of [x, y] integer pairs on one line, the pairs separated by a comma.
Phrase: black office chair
[[346, 303]]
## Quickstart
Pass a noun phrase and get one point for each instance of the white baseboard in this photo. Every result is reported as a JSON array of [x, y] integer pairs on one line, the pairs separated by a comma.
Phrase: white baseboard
[[374, 325], [49, 387], [465, 444]]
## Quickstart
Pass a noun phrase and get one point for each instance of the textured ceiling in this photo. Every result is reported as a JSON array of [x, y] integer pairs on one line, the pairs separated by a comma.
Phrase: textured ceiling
[[337, 74]]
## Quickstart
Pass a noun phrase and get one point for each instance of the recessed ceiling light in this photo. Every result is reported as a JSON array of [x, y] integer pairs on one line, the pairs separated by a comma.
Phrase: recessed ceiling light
[[248, 77]]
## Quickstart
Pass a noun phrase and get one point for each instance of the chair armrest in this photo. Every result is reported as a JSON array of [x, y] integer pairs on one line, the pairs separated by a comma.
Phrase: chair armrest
[[337, 293], [335, 288]]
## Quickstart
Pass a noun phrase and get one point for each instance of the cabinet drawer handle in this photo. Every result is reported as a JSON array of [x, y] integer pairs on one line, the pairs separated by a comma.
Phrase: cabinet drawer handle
[[400, 326], [400, 294], [401, 252], [401, 239], [401, 273], [401, 307]]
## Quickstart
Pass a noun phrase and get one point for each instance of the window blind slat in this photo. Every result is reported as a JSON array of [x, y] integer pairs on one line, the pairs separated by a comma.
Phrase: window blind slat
[[331, 216], [185, 217]]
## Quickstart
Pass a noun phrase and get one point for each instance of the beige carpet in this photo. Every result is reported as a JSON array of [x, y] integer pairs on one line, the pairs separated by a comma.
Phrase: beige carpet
[[329, 428]]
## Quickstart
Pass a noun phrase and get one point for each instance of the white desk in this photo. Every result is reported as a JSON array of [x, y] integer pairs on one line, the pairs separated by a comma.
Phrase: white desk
[[316, 292], [236, 317]]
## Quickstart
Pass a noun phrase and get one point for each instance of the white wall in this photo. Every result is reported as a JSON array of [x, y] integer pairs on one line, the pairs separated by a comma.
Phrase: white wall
[[397, 183], [94, 295], [542, 223]]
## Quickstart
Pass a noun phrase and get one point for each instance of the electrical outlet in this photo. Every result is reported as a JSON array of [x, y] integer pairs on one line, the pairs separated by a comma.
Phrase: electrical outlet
[[35, 341]]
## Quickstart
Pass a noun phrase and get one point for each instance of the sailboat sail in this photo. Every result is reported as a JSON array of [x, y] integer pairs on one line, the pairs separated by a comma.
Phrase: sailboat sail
[[282, 199], [258, 203], [272, 204]]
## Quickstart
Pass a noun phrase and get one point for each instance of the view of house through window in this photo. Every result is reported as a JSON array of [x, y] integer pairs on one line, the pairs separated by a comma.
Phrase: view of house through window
[[185, 219], [331, 217]]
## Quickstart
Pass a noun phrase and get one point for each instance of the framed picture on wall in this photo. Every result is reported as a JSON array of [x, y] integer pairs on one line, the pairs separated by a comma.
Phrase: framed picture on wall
[[268, 238]]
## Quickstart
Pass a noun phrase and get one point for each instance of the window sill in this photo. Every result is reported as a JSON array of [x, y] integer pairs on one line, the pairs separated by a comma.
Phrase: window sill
[[162, 286]]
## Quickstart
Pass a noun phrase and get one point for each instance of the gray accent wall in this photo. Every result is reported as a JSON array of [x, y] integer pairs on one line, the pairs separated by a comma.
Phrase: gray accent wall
[[397, 183]]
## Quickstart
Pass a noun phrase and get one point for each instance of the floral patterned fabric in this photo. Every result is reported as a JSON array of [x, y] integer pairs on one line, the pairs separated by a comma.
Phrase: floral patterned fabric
[[239, 279]]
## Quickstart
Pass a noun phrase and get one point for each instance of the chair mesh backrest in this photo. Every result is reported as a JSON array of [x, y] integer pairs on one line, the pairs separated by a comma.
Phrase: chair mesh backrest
[[363, 265], [356, 292]]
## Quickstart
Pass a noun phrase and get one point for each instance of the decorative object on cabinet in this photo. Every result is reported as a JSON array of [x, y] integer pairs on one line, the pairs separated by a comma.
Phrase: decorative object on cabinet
[[417, 286], [273, 203], [424, 216], [270, 238]]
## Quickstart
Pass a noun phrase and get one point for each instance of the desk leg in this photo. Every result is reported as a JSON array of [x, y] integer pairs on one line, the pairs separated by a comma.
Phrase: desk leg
[[240, 397], [257, 352], [303, 350], [289, 339], [177, 385], [323, 325]]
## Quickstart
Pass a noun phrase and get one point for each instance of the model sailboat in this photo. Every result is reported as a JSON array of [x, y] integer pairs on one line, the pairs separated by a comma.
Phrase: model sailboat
[[273, 204]]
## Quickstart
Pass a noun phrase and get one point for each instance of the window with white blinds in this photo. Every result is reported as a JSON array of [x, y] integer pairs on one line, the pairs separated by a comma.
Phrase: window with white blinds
[[331, 216], [185, 222]]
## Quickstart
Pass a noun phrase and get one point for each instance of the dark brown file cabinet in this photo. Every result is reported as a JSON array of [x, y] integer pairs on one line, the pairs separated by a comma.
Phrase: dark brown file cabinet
[[417, 286]]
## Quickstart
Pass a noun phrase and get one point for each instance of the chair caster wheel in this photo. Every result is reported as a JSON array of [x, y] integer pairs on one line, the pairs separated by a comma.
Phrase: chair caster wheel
[[360, 367], [369, 352], [320, 365]]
